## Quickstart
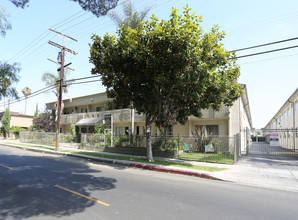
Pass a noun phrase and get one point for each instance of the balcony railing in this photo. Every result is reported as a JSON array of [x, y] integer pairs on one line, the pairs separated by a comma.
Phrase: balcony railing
[[120, 115], [124, 115]]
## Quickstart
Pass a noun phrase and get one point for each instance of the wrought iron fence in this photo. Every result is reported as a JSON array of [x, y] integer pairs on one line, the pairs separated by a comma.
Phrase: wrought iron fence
[[220, 149], [280, 143]]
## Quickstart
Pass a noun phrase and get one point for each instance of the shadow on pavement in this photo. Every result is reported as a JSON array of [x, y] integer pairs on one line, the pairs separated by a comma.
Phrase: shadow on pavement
[[28, 190]]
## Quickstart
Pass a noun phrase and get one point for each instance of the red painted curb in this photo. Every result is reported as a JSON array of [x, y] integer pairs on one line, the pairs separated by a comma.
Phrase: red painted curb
[[171, 170]]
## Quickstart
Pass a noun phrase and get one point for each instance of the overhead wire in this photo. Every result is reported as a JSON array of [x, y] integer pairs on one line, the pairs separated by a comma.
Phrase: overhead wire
[[50, 88], [266, 44]]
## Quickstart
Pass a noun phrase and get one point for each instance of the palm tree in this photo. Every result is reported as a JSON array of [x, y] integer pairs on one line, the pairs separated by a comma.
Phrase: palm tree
[[51, 79], [8, 76], [26, 91], [131, 17]]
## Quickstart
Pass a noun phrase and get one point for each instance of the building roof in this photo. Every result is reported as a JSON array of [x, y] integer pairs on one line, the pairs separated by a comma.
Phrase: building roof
[[89, 122], [289, 100], [246, 104], [16, 114]]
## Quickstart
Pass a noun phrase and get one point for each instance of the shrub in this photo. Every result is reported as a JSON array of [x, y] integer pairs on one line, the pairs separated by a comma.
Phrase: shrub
[[83, 144], [73, 129], [99, 129], [16, 130]]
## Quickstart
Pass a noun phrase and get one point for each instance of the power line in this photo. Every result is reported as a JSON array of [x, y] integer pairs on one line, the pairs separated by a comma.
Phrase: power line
[[51, 87], [275, 58], [264, 52], [267, 44]]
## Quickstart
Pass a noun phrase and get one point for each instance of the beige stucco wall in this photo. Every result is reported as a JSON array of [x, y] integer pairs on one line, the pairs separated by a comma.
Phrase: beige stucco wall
[[21, 121], [287, 116]]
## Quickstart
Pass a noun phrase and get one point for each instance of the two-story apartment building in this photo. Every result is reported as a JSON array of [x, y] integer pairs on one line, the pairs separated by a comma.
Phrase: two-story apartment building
[[285, 123], [287, 115], [87, 111]]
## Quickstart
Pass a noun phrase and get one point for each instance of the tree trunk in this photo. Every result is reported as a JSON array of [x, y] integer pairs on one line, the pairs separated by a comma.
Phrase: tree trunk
[[148, 140]]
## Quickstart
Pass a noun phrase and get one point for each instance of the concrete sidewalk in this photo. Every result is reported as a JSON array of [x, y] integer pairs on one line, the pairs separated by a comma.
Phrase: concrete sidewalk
[[257, 171], [264, 172]]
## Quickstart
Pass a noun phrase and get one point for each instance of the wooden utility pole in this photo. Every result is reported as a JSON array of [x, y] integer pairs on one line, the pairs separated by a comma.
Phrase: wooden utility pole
[[61, 56]]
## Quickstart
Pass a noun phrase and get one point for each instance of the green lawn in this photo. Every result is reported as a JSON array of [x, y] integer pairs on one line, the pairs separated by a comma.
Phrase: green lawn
[[133, 159], [159, 162], [209, 157]]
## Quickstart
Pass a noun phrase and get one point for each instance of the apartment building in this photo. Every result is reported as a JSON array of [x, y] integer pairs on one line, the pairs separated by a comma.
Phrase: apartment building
[[285, 123], [87, 111], [287, 116]]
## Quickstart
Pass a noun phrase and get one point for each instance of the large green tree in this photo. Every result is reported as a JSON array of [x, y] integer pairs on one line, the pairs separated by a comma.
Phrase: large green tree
[[168, 69], [132, 19]]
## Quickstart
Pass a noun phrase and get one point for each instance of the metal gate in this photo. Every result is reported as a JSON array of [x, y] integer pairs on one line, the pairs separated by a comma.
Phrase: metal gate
[[274, 143]]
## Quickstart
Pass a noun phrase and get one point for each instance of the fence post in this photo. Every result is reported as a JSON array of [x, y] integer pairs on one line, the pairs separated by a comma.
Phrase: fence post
[[235, 150], [178, 146], [246, 141]]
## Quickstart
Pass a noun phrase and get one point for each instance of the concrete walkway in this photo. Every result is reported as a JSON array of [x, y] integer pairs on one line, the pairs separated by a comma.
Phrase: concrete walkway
[[253, 170]]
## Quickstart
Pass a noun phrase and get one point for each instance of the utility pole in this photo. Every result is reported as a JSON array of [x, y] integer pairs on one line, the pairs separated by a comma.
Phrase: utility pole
[[60, 60]]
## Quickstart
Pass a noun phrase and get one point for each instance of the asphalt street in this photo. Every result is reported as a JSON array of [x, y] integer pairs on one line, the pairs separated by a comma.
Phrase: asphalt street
[[42, 186]]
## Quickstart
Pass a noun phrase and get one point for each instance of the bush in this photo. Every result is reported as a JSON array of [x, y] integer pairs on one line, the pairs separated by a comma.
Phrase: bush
[[171, 145], [83, 144], [99, 129], [73, 129], [16, 130]]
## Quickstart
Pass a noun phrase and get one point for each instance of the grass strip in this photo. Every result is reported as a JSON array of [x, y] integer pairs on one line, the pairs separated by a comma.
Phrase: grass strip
[[133, 159], [29, 145], [158, 162]]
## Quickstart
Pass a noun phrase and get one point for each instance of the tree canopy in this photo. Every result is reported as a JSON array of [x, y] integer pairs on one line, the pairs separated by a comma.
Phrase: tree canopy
[[6, 122], [4, 22], [169, 70], [131, 18], [43, 121], [8, 76], [97, 7]]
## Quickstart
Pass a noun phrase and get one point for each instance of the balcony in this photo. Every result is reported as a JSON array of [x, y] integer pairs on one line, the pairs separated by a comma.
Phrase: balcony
[[120, 115]]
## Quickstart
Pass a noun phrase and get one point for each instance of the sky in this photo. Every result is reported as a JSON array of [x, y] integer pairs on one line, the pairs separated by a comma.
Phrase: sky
[[270, 78]]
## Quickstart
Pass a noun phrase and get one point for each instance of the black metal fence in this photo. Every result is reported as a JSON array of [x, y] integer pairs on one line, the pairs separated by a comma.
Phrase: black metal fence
[[218, 149], [277, 143]]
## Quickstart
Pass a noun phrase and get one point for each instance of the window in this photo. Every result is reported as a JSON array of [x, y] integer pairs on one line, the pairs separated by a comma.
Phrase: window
[[84, 110], [289, 112], [83, 130], [99, 109], [140, 130], [212, 129], [121, 130], [169, 131], [297, 105]]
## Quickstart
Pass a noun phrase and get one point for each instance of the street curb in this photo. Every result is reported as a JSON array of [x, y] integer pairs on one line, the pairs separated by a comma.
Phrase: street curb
[[120, 162], [172, 170]]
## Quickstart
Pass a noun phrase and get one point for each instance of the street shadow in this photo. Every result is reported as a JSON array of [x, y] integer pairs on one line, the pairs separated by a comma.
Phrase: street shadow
[[30, 189]]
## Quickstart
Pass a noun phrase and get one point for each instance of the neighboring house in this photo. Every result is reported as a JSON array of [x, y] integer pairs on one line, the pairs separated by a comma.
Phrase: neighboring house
[[86, 111], [285, 123], [17, 119]]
